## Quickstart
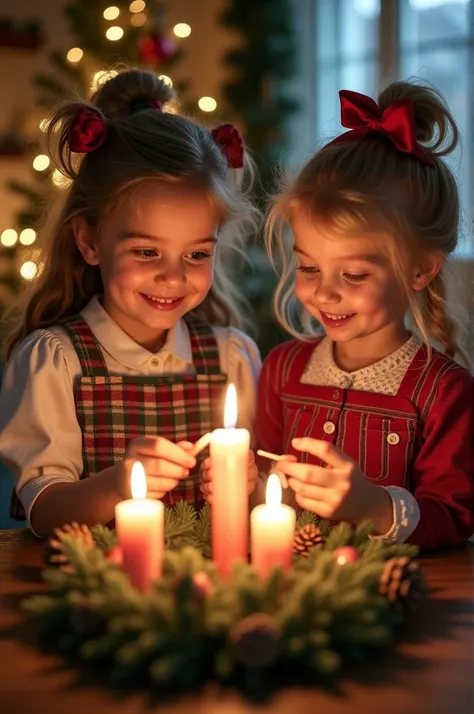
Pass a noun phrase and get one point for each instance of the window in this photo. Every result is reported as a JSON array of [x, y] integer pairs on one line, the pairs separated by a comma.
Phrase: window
[[347, 55], [359, 43]]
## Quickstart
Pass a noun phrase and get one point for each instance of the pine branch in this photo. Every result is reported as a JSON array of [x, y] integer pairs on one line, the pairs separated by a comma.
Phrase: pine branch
[[104, 537]]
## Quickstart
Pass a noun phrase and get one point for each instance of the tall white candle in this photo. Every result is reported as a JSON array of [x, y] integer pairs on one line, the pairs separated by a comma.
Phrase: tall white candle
[[229, 450], [272, 530], [140, 530]]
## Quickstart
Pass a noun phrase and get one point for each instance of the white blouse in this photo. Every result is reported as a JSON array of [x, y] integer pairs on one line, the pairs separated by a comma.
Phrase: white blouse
[[40, 437]]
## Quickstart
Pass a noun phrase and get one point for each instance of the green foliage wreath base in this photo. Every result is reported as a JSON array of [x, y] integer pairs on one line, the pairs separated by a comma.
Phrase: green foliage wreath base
[[247, 631]]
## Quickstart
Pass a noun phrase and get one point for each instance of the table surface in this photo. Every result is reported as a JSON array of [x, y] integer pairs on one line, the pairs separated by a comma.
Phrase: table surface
[[429, 671]]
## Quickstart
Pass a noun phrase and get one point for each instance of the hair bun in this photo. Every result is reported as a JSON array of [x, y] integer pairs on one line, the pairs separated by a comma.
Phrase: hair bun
[[131, 91], [436, 127]]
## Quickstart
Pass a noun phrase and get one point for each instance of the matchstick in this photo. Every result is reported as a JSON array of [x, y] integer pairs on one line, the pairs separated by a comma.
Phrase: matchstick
[[275, 457], [269, 455], [201, 444]]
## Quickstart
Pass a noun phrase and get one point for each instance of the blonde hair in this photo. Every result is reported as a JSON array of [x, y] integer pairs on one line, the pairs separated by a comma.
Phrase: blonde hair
[[142, 145], [367, 185]]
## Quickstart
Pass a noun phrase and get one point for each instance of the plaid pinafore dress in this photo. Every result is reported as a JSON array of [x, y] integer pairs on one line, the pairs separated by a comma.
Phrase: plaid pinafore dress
[[112, 409]]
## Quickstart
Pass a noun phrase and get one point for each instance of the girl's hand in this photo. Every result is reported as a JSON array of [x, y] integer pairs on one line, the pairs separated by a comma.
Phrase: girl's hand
[[207, 476], [339, 490], [165, 464]]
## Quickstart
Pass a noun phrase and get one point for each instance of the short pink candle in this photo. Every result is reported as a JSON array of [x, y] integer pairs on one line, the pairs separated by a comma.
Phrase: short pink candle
[[140, 529], [229, 449], [272, 531]]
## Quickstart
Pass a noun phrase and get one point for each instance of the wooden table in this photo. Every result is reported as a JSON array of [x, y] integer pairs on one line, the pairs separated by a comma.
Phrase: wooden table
[[431, 672]]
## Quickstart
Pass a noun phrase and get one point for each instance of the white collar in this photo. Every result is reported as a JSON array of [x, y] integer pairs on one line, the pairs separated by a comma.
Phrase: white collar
[[123, 349]]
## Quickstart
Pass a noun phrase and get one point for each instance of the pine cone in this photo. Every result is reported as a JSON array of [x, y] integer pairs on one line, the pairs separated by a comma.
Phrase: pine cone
[[255, 641], [307, 537], [402, 581], [54, 554]]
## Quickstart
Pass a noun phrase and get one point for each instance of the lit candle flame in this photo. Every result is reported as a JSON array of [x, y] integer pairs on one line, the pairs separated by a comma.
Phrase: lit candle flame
[[273, 492], [230, 409], [138, 480]]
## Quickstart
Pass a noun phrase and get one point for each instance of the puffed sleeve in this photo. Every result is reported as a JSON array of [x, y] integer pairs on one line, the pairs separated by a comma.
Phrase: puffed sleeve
[[442, 478], [240, 359], [40, 437]]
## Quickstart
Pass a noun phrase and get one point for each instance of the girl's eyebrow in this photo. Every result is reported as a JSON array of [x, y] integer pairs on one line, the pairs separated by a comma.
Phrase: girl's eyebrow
[[363, 257], [127, 235]]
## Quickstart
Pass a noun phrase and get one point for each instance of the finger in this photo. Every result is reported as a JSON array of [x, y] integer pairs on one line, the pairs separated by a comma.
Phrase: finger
[[307, 490], [325, 451], [206, 475], [160, 467], [185, 445], [206, 488], [207, 463], [308, 473], [157, 487], [159, 447], [317, 507]]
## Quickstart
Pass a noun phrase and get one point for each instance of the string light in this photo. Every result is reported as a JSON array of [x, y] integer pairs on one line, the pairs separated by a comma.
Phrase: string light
[[138, 20], [182, 29], [167, 80], [41, 162], [27, 236], [75, 54], [137, 6], [114, 33], [111, 13], [9, 237], [101, 77], [59, 179], [28, 270], [207, 104], [43, 125]]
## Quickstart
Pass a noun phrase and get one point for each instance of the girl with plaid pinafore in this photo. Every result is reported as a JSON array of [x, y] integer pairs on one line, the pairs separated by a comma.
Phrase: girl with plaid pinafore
[[376, 424], [129, 336]]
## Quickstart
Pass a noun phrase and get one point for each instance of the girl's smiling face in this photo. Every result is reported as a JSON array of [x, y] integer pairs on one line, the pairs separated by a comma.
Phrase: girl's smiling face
[[156, 257], [347, 283]]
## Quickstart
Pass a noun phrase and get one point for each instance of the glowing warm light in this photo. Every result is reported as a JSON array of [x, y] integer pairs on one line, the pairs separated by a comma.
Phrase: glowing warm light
[[138, 480], [59, 179], [273, 491], [137, 6], [138, 20], [230, 408], [28, 270], [41, 162], [182, 29], [75, 54], [207, 104], [167, 80], [27, 236], [9, 237], [111, 13], [101, 77], [43, 125], [114, 33]]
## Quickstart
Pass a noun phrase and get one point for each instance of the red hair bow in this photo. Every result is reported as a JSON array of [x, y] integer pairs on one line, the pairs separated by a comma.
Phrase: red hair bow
[[361, 115], [230, 142], [88, 131]]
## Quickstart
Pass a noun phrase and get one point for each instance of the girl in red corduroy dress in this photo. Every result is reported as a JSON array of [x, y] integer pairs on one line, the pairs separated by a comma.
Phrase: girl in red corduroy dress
[[377, 424], [129, 337]]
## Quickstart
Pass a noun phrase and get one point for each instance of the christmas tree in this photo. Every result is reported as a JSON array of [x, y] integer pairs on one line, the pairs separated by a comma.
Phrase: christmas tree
[[129, 32], [259, 99]]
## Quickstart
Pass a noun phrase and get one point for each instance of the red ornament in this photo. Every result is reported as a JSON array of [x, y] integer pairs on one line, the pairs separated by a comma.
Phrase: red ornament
[[346, 554], [115, 555], [156, 49]]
